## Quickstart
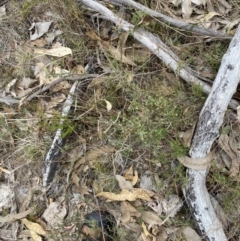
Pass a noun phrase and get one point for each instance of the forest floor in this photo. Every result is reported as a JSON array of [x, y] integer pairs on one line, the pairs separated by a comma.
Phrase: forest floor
[[126, 127]]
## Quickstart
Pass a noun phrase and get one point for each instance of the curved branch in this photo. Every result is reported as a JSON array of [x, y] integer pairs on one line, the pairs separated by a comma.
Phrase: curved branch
[[210, 120]]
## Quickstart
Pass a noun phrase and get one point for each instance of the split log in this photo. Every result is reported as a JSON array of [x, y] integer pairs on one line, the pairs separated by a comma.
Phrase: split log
[[207, 130], [155, 45]]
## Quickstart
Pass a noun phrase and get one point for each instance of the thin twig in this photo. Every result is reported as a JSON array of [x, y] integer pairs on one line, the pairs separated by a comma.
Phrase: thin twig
[[69, 77]]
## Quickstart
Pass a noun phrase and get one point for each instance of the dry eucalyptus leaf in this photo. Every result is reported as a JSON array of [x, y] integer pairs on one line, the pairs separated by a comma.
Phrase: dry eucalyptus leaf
[[126, 195], [116, 53], [109, 105], [146, 233], [197, 163], [234, 170], [136, 228], [94, 154], [122, 40], [56, 52], [38, 29], [123, 184], [128, 211], [33, 226], [190, 234], [219, 211], [135, 178], [151, 218], [39, 42], [125, 214], [228, 144], [187, 135], [92, 35], [54, 214], [35, 236], [129, 173]]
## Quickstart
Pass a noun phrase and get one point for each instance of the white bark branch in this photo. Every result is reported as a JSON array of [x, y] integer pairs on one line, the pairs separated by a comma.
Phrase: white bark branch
[[210, 120], [173, 22], [155, 45], [51, 160]]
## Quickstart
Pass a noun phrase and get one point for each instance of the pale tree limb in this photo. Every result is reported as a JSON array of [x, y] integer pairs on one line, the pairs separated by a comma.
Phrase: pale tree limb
[[173, 22], [207, 130], [155, 45]]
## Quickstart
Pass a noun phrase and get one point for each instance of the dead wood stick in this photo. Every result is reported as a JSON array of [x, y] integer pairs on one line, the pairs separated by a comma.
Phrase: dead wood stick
[[207, 130], [155, 45], [174, 22], [51, 160]]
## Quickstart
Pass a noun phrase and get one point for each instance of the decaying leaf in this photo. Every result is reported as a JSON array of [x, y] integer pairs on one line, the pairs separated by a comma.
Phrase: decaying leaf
[[151, 218], [109, 105], [125, 214], [146, 233], [54, 214], [136, 228], [129, 173], [135, 178], [197, 163], [33, 226], [55, 101], [219, 211], [93, 155], [123, 184], [116, 53], [128, 211], [38, 29], [35, 236], [190, 234], [56, 52], [187, 135], [228, 144], [126, 195]]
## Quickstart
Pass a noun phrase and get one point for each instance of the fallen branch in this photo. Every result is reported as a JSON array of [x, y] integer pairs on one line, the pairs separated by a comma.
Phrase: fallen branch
[[155, 45], [51, 160], [174, 22], [207, 130]]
